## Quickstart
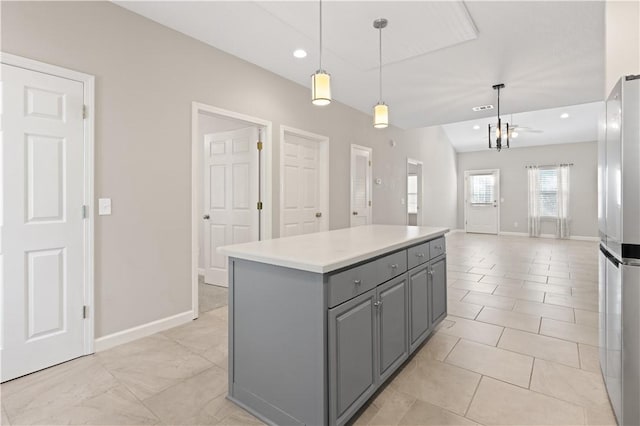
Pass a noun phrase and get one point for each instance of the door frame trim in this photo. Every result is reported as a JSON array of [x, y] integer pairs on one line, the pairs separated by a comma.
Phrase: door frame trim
[[467, 173], [88, 83], [420, 190], [325, 146], [370, 183], [266, 179]]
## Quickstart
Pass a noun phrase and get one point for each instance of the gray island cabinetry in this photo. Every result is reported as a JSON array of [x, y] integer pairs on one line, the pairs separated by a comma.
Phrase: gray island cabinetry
[[318, 322]]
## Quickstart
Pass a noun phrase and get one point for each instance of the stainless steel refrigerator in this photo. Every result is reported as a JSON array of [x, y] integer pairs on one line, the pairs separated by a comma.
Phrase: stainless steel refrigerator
[[619, 260]]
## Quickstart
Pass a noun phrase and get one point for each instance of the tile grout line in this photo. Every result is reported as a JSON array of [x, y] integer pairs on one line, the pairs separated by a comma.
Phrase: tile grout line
[[533, 365], [475, 391]]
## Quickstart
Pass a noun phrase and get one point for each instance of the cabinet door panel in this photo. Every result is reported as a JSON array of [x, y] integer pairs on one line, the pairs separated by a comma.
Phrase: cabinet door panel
[[419, 319], [393, 319], [352, 360], [438, 289]]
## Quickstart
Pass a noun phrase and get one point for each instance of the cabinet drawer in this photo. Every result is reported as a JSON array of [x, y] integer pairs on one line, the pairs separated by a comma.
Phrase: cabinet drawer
[[391, 266], [418, 254], [436, 247], [352, 282]]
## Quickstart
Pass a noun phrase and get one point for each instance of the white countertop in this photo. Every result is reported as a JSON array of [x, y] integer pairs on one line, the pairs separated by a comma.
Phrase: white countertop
[[323, 252]]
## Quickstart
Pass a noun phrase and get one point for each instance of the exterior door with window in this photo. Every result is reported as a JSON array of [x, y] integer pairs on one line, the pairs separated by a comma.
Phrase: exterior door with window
[[482, 195]]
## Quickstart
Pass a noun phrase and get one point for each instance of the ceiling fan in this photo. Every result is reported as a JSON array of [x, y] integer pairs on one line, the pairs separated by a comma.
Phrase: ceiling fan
[[522, 129]]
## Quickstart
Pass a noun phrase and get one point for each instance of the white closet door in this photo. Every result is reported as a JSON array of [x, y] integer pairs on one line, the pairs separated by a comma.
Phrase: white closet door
[[231, 197], [42, 241], [301, 186]]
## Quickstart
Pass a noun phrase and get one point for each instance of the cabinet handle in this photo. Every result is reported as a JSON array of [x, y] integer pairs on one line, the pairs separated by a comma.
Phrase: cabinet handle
[[420, 254], [438, 247], [394, 266], [430, 271], [357, 282], [377, 304]]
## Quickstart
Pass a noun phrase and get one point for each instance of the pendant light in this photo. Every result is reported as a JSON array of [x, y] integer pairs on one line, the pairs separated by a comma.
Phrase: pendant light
[[381, 110], [500, 132], [321, 80]]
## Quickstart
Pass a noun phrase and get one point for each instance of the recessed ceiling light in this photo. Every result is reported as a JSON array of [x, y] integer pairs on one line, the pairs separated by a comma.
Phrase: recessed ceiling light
[[476, 127], [564, 115], [300, 53]]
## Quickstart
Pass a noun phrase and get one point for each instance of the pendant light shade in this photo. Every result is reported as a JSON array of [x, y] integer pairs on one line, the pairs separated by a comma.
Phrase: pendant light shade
[[380, 110], [321, 88], [321, 80], [380, 116]]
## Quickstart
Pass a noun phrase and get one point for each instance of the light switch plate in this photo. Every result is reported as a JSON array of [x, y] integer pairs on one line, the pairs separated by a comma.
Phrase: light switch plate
[[104, 206]]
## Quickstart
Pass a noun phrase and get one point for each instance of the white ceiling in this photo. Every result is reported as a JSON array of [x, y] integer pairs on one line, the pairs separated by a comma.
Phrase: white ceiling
[[535, 128], [441, 57]]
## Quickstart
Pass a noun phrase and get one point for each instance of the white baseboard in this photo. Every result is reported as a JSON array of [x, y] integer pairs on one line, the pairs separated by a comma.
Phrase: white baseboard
[[201, 271], [513, 234], [144, 330], [579, 238], [549, 236], [453, 231]]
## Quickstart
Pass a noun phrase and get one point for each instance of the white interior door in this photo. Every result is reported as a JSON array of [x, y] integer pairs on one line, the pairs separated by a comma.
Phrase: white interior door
[[360, 185], [482, 195], [43, 232], [414, 193], [302, 210], [230, 197]]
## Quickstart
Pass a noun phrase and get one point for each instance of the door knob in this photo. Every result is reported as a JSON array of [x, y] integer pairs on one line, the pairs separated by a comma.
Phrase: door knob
[[355, 213], [319, 214], [206, 217]]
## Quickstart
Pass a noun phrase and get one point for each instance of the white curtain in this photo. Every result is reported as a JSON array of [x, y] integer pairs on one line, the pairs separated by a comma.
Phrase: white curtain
[[534, 199], [562, 226]]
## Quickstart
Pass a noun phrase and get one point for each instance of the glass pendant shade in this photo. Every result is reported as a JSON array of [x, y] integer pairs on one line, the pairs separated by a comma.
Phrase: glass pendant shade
[[321, 88], [380, 116]]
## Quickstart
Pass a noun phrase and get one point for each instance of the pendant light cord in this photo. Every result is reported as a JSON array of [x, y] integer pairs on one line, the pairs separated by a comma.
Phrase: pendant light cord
[[380, 62], [320, 35]]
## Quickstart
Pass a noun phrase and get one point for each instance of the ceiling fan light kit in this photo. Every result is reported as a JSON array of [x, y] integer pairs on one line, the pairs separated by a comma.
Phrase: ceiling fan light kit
[[321, 80], [499, 130], [380, 110]]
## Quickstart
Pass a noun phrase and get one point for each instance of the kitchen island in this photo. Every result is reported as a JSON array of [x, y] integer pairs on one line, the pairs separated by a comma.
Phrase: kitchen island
[[317, 322]]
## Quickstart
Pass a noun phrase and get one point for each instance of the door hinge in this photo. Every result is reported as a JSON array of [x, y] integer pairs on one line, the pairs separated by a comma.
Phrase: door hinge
[[259, 146], [85, 312], [84, 111], [85, 211], [259, 205], [369, 163], [369, 203]]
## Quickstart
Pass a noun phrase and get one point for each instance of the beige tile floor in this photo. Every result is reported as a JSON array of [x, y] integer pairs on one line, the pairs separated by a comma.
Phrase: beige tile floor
[[518, 348], [210, 297]]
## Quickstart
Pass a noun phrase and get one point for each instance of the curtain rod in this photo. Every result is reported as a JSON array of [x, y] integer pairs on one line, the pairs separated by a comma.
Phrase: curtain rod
[[549, 165]]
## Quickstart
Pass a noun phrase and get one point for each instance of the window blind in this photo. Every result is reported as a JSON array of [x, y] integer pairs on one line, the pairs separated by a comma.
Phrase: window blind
[[482, 187], [548, 194]]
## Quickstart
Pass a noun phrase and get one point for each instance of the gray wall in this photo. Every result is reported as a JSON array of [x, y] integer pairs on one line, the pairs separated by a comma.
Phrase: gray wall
[[513, 183], [431, 146], [146, 78]]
